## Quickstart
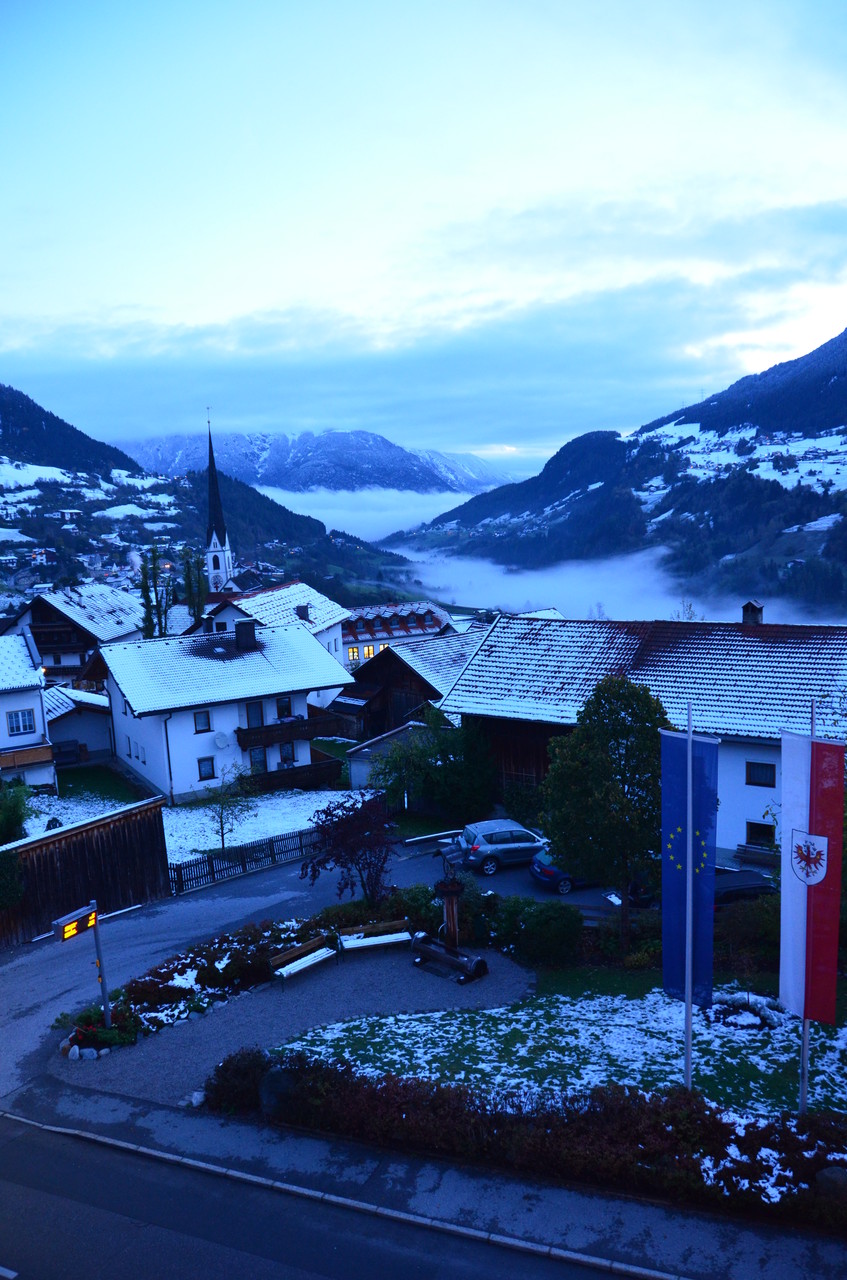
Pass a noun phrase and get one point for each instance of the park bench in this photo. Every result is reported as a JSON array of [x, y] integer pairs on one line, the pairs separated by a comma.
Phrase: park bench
[[286, 963], [385, 934]]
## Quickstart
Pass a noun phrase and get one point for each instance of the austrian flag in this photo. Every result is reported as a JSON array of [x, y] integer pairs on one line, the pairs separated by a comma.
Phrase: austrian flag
[[812, 822]]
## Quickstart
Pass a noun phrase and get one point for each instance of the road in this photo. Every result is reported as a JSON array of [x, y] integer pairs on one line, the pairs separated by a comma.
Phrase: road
[[97, 1212]]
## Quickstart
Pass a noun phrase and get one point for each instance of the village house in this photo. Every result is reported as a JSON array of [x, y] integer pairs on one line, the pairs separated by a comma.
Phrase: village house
[[25, 751], [190, 710], [79, 725], [372, 628], [69, 625], [746, 681]]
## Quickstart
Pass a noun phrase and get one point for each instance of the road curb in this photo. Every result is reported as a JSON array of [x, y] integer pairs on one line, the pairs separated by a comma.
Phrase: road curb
[[515, 1243]]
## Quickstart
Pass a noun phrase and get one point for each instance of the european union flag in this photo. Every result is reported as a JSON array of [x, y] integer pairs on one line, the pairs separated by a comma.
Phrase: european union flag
[[674, 846]]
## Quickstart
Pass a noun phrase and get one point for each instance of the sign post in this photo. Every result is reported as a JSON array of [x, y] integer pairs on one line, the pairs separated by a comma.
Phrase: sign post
[[70, 926]]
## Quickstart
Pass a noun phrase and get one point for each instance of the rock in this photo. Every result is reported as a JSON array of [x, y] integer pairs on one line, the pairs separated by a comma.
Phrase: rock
[[832, 1181], [194, 1015], [277, 1087], [198, 1097], [73, 1052], [103, 1053], [88, 1055]]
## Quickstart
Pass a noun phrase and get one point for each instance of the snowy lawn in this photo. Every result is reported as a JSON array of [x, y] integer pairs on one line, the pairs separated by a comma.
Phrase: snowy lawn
[[189, 829], [556, 1044]]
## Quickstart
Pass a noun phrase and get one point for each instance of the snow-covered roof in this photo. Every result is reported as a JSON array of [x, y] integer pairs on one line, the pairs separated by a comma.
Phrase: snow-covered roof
[[277, 606], [742, 680], [395, 621], [104, 611], [439, 660], [17, 669], [205, 669], [60, 699]]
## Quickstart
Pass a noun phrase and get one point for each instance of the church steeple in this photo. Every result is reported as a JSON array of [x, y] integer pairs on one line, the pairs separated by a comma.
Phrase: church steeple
[[218, 550]]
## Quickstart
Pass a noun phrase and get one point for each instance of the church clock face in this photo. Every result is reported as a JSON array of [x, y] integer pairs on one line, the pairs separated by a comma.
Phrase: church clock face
[[217, 582]]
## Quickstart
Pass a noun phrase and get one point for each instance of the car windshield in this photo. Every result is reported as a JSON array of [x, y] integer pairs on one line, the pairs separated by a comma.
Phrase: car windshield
[[469, 835]]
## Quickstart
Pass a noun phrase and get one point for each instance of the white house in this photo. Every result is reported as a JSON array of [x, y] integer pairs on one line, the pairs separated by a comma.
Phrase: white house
[[747, 682], [187, 709], [25, 751], [289, 604], [69, 625]]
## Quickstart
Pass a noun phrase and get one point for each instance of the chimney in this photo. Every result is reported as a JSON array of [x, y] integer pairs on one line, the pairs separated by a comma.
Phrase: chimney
[[208, 626], [302, 611], [245, 634], [751, 613]]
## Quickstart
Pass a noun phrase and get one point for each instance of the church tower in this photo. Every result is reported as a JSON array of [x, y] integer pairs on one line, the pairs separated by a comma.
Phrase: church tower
[[218, 550]]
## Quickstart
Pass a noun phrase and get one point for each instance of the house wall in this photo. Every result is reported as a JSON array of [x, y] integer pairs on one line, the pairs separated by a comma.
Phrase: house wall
[[91, 729], [741, 803], [41, 774], [142, 743]]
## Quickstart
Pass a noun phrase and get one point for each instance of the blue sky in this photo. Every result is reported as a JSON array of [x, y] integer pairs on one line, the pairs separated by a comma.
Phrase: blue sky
[[480, 225]]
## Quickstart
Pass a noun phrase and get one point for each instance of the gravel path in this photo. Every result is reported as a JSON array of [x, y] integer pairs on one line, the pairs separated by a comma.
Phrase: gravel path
[[166, 1067]]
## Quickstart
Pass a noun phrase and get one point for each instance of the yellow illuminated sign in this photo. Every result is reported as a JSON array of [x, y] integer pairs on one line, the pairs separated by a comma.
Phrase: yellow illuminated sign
[[72, 925]]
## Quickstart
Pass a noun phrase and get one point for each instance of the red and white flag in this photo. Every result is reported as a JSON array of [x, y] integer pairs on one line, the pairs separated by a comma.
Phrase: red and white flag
[[812, 825]]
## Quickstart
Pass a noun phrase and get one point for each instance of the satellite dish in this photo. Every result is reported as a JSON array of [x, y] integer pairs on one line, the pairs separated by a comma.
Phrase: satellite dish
[[221, 740]]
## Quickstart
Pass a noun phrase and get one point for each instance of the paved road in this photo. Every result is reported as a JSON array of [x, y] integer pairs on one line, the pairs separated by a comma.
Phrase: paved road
[[100, 1213]]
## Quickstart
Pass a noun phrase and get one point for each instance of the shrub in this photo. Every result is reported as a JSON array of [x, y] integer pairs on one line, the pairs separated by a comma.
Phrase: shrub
[[747, 934], [14, 808], [11, 879], [90, 1031], [551, 935], [233, 1087]]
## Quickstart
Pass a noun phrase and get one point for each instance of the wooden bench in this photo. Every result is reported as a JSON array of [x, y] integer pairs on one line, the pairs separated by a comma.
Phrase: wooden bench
[[385, 934], [286, 963]]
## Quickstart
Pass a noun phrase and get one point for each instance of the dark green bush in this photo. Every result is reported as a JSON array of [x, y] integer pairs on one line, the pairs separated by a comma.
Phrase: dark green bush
[[233, 1087], [11, 879], [539, 933], [523, 802], [90, 1031], [747, 934], [14, 807]]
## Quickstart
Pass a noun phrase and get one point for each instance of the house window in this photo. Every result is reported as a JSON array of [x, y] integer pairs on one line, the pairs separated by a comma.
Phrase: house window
[[760, 774], [57, 659], [336, 644], [220, 626], [143, 754], [258, 760], [129, 746], [20, 721], [126, 707], [762, 834], [255, 715], [382, 646], [216, 562], [286, 754], [353, 653], [135, 749], [369, 651], [283, 707], [202, 722], [206, 768]]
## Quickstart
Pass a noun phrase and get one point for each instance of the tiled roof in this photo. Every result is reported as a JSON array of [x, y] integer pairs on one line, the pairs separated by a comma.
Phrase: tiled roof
[[201, 670], [439, 660], [104, 611], [17, 670], [60, 699], [277, 606], [742, 680], [372, 621]]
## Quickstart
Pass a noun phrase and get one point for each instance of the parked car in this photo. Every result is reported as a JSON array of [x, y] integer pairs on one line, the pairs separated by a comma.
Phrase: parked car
[[486, 846], [739, 886], [544, 870]]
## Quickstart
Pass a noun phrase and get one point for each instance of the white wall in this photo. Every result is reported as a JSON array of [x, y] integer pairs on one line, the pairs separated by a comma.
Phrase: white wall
[[740, 803], [22, 700], [88, 728]]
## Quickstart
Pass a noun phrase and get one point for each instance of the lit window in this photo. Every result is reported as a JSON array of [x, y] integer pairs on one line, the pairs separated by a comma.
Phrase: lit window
[[760, 774], [202, 722], [20, 721], [382, 646], [353, 653], [206, 768], [369, 651]]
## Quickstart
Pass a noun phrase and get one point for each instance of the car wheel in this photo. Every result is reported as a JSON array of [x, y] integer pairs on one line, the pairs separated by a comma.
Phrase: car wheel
[[488, 866], [564, 886]]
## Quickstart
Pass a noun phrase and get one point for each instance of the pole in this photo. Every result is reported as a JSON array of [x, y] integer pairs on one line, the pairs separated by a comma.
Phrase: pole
[[804, 1040], [689, 898], [101, 973]]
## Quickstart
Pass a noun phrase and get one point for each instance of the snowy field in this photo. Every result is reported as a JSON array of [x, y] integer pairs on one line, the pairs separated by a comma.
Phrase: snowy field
[[190, 829]]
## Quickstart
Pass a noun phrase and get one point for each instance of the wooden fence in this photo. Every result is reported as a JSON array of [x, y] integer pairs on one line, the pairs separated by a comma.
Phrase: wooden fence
[[237, 859], [120, 859]]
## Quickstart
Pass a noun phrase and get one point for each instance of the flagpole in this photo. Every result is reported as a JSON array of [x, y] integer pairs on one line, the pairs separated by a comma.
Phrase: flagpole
[[804, 1041], [689, 898]]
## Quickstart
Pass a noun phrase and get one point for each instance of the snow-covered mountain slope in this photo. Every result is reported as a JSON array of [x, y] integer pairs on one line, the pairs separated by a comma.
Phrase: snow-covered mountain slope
[[341, 460]]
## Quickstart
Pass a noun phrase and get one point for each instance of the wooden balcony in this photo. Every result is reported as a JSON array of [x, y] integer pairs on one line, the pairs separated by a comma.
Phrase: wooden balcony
[[318, 725], [321, 774]]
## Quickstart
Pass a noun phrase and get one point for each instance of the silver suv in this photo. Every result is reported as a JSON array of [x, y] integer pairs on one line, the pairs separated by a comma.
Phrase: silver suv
[[485, 846]]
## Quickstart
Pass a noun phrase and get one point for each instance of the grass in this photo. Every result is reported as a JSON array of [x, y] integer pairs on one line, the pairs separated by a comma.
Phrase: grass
[[97, 780], [410, 825], [339, 751]]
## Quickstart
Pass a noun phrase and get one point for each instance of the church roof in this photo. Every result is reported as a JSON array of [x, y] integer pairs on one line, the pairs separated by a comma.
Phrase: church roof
[[216, 523]]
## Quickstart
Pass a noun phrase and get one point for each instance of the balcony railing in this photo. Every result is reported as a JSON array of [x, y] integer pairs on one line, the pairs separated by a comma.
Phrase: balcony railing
[[307, 777], [290, 730]]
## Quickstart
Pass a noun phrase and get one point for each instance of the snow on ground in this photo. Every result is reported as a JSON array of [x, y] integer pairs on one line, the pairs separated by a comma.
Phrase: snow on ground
[[118, 513], [190, 829], [14, 535], [15, 474]]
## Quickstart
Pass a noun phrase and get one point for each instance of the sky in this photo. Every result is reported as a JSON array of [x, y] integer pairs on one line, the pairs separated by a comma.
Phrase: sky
[[470, 225]]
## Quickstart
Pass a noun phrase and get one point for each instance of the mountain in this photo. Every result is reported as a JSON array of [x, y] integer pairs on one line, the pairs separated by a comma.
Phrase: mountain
[[29, 433], [746, 492], [340, 460]]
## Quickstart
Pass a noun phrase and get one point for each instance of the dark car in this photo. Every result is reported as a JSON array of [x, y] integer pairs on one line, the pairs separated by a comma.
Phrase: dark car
[[486, 846], [740, 886], [544, 870]]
